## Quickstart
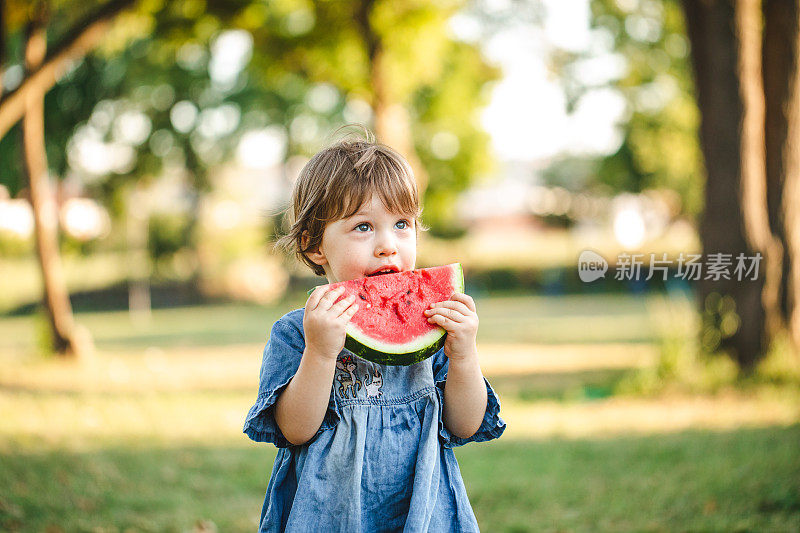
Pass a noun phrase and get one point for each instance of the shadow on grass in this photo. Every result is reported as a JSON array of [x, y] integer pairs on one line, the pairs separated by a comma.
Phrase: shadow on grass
[[575, 386], [748, 479], [742, 480], [139, 488]]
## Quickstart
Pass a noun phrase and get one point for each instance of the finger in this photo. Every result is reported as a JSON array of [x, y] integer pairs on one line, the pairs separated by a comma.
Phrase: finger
[[337, 308], [316, 294], [466, 299], [330, 297], [456, 306], [348, 313], [442, 321], [450, 314]]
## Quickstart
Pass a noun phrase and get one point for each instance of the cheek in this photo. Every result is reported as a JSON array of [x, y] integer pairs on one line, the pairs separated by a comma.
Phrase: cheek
[[409, 249], [356, 256]]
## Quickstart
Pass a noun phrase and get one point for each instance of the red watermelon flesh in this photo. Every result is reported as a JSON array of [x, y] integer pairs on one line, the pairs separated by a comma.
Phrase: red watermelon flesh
[[390, 326]]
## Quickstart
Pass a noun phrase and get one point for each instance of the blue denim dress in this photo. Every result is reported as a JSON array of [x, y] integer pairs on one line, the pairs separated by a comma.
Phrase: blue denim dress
[[382, 460]]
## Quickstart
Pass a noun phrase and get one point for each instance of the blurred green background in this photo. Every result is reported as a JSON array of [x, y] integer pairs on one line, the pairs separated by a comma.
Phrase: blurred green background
[[148, 148]]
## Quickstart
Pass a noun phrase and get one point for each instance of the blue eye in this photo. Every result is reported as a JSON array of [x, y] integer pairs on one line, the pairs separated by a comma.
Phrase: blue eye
[[405, 224]]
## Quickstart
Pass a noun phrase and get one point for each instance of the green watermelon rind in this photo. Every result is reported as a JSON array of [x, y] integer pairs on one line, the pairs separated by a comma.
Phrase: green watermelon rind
[[406, 354], [394, 359]]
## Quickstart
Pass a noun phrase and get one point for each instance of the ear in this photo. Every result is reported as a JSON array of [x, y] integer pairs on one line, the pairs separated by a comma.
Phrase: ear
[[316, 254]]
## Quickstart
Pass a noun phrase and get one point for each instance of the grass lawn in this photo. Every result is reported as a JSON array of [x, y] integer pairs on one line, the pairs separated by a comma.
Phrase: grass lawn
[[744, 480], [741, 480], [147, 436]]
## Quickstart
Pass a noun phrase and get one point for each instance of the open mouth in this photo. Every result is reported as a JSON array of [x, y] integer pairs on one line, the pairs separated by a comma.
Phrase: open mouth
[[382, 272]]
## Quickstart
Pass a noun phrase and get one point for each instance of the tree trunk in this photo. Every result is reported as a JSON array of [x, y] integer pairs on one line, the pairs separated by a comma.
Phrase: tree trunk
[[392, 120], [777, 62], [715, 60], [139, 304], [66, 338], [758, 191], [781, 79], [2, 44]]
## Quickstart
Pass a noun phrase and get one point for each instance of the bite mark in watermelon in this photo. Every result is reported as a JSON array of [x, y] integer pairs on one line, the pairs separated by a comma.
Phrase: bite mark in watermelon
[[390, 326]]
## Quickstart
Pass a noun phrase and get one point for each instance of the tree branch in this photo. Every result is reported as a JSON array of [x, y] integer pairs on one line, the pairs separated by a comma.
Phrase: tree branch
[[78, 42]]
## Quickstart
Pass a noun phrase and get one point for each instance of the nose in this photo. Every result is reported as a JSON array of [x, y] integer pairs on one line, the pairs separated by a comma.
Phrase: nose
[[385, 245]]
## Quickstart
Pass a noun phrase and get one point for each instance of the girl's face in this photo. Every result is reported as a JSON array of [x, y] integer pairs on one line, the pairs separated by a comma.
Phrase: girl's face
[[364, 243]]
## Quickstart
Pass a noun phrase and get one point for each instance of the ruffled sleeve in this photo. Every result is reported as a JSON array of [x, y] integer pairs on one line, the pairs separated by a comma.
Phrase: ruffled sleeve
[[280, 362], [491, 427]]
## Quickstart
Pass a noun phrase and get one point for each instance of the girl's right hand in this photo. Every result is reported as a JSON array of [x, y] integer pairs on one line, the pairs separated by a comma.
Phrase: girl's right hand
[[324, 321]]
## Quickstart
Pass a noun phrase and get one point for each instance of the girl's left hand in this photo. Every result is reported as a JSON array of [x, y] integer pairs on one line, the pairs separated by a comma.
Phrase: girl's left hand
[[459, 318]]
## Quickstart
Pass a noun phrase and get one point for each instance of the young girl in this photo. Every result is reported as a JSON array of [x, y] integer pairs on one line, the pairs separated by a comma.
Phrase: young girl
[[364, 446]]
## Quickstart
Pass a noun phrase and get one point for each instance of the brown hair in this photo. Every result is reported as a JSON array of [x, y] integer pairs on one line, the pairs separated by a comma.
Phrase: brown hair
[[337, 181]]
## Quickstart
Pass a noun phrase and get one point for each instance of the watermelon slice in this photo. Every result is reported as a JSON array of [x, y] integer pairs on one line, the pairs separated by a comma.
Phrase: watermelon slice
[[389, 327]]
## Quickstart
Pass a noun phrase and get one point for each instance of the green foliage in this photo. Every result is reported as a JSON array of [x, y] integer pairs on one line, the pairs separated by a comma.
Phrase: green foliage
[[690, 362], [452, 149], [574, 173], [158, 55], [167, 234], [720, 321], [13, 246], [780, 367], [441, 81], [77, 247], [152, 58], [659, 146]]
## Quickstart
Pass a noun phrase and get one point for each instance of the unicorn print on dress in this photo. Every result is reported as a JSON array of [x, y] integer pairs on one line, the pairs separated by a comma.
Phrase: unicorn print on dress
[[349, 368], [347, 378]]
